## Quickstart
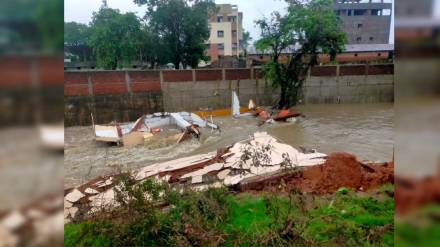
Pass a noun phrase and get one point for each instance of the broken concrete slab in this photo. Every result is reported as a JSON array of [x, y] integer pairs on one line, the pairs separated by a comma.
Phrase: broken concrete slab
[[222, 174], [74, 196], [67, 204], [73, 211], [13, 221], [103, 199], [91, 191]]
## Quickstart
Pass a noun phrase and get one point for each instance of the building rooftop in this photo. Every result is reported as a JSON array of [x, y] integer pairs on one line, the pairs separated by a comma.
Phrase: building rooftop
[[348, 48]]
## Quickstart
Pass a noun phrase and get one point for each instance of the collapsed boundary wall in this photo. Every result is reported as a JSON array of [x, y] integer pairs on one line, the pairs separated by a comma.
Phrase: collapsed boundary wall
[[125, 95]]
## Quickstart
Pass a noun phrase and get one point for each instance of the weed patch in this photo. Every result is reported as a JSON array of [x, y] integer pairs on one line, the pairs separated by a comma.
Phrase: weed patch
[[155, 214]]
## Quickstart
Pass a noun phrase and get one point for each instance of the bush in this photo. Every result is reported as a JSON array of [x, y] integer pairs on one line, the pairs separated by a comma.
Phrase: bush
[[155, 214]]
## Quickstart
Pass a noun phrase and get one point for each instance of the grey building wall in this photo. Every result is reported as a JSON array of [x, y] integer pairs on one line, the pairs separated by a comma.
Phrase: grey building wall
[[365, 22], [414, 8]]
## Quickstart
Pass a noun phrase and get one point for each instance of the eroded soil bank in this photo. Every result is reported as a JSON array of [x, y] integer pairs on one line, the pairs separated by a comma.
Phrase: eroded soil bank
[[339, 170]]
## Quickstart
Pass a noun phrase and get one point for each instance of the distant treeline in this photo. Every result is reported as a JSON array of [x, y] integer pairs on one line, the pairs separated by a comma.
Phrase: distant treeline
[[172, 31]]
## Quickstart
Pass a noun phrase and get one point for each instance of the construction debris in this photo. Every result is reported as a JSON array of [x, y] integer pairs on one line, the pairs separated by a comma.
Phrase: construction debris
[[52, 136], [260, 163], [36, 224], [136, 133], [226, 167]]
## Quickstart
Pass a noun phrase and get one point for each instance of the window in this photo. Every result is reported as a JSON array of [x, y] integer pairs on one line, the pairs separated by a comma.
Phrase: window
[[221, 46], [358, 39], [234, 45], [355, 54], [379, 54], [386, 12], [219, 18], [231, 18], [358, 12], [220, 34], [350, 12], [360, 26], [371, 38], [234, 33], [376, 12]]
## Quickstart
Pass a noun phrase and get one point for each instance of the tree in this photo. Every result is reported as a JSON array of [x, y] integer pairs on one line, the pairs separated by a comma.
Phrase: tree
[[309, 28], [245, 42], [115, 38], [76, 33], [152, 50], [182, 26], [76, 38]]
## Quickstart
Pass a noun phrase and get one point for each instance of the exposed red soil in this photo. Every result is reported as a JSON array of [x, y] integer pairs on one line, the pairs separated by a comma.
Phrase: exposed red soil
[[414, 193], [339, 170]]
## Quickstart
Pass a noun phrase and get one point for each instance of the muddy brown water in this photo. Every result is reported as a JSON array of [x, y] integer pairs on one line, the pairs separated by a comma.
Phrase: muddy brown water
[[364, 130]]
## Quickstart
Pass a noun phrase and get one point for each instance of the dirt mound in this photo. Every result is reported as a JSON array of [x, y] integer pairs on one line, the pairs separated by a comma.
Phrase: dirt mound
[[344, 170], [414, 193], [339, 170]]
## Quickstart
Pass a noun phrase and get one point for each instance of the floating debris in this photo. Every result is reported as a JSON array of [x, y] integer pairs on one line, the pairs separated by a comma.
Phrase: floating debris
[[135, 133]]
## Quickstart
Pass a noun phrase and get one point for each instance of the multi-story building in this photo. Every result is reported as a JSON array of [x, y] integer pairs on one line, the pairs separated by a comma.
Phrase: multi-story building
[[411, 8], [226, 32], [365, 21]]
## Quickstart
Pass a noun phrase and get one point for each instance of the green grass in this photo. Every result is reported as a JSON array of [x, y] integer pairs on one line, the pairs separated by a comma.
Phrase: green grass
[[419, 228], [247, 215], [217, 218], [85, 234]]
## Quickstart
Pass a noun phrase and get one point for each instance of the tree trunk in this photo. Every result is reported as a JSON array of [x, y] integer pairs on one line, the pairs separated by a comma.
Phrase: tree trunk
[[176, 63], [283, 102]]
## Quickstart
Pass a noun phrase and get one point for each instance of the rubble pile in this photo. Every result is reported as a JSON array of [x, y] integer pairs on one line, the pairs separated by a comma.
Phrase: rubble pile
[[36, 224], [259, 163], [226, 167]]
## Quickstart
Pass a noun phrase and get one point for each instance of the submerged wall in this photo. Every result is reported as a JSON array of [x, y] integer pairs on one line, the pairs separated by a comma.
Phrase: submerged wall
[[125, 95]]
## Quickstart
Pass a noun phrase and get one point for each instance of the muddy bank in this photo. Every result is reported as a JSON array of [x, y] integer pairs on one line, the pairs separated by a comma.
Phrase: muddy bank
[[414, 193], [339, 170]]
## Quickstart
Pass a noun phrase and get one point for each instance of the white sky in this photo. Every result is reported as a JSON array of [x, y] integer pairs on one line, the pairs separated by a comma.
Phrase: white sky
[[81, 10]]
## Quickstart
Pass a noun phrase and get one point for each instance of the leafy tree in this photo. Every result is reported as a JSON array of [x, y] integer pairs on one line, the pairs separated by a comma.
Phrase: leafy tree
[[245, 42], [152, 50], [115, 38], [76, 38], [48, 15], [76, 33], [31, 25], [310, 27], [182, 26]]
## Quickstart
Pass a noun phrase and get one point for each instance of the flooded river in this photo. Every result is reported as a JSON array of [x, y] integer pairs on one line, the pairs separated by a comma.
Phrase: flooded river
[[364, 130]]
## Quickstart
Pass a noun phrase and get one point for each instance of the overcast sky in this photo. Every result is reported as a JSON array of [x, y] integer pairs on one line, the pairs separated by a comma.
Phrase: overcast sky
[[81, 10]]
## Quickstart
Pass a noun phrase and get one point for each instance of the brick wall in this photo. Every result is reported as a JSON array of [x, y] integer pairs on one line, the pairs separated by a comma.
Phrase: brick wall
[[125, 95], [32, 89]]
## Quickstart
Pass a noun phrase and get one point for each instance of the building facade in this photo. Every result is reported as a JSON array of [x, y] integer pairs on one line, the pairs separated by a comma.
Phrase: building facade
[[365, 21], [226, 32]]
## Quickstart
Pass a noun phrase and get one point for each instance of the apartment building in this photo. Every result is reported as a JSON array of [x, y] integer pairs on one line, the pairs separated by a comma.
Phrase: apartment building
[[226, 32], [365, 21]]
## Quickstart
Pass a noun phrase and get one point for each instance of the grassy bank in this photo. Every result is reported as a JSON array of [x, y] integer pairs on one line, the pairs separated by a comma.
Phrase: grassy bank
[[218, 218], [419, 228]]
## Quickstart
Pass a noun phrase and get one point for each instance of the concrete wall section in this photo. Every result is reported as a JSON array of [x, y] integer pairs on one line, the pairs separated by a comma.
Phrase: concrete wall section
[[125, 95]]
